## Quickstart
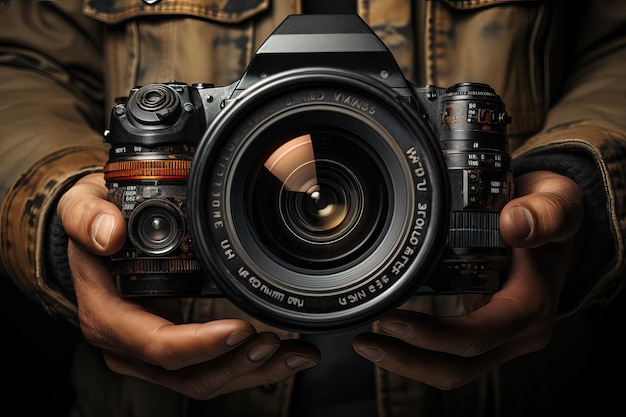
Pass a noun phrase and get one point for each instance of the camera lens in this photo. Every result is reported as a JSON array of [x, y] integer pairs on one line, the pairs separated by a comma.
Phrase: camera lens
[[475, 148], [328, 211], [156, 227], [318, 200], [320, 204]]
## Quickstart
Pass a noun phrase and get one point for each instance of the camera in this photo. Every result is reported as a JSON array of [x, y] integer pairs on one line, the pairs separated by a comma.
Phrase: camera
[[316, 192]]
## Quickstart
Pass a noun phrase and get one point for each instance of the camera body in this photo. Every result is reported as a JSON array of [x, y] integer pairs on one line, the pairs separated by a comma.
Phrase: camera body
[[317, 191]]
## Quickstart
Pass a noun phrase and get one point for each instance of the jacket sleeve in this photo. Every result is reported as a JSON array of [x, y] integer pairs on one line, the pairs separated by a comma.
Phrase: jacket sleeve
[[585, 139], [50, 131]]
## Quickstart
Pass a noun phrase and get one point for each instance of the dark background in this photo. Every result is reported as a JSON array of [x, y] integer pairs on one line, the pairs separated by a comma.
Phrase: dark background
[[38, 353]]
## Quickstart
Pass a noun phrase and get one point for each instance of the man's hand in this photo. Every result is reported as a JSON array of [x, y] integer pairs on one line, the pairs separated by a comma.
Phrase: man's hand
[[139, 337], [542, 225]]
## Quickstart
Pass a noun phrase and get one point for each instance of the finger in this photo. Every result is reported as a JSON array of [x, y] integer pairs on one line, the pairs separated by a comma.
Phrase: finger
[[292, 357], [447, 352], [525, 304], [129, 329], [89, 219], [463, 336], [438, 369], [524, 307], [261, 361], [192, 380], [549, 209]]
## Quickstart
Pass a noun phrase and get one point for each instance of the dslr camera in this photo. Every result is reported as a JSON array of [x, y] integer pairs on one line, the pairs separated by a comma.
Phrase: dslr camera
[[319, 190]]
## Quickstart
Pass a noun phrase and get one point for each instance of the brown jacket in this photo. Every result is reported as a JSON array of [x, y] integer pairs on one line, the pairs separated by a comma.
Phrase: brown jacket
[[62, 63]]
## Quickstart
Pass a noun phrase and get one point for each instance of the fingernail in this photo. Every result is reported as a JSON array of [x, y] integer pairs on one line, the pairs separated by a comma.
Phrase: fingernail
[[522, 221], [298, 361], [371, 353], [102, 229], [236, 338], [259, 352], [397, 329]]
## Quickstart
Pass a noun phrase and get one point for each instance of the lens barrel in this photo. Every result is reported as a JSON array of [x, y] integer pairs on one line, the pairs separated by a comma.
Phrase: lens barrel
[[153, 135], [318, 200], [480, 169]]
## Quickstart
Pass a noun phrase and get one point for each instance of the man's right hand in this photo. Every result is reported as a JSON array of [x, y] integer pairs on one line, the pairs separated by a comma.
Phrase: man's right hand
[[140, 337]]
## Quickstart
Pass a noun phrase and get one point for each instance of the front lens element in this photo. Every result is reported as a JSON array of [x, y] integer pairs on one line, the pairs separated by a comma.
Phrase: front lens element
[[320, 205], [317, 200], [156, 227]]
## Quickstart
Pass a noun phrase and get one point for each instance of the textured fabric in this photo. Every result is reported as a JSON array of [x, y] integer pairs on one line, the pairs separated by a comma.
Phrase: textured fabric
[[63, 63], [341, 384]]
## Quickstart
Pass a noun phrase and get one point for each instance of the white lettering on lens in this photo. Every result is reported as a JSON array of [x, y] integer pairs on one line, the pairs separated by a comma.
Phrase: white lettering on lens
[[276, 295], [295, 301], [217, 213], [378, 284], [257, 284], [355, 102], [352, 298], [419, 224], [228, 251], [418, 169], [313, 96]]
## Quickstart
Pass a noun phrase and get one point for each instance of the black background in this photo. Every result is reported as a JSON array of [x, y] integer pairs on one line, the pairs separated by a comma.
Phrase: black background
[[38, 354]]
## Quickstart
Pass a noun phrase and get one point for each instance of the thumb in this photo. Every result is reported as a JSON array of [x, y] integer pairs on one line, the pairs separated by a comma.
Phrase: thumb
[[549, 208], [89, 219]]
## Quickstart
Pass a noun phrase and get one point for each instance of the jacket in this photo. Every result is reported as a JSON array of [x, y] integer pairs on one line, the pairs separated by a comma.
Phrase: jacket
[[62, 64]]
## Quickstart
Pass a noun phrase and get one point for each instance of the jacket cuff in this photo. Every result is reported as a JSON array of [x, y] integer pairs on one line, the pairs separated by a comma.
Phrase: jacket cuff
[[583, 151], [29, 206]]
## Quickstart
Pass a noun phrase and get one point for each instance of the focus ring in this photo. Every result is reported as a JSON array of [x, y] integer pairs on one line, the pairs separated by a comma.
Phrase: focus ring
[[146, 169], [475, 229]]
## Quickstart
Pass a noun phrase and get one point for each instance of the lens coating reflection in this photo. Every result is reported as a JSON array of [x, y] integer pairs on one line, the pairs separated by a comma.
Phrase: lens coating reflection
[[292, 164], [156, 227], [370, 175], [322, 201], [329, 210]]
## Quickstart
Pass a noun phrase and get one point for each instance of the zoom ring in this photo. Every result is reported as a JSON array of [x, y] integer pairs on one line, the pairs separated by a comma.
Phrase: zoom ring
[[473, 229], [142, 169], [155, 266]]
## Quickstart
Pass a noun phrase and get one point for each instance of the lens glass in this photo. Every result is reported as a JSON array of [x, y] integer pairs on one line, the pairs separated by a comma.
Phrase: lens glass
[[156, 227], [317, 205], [318, 201]]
